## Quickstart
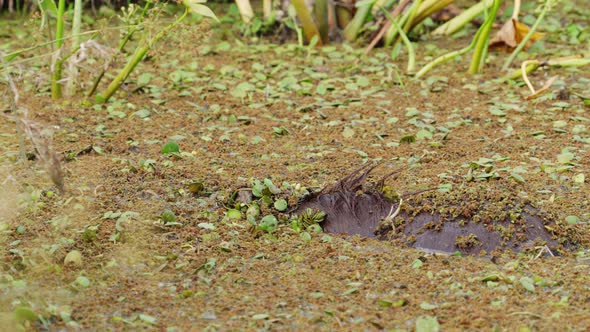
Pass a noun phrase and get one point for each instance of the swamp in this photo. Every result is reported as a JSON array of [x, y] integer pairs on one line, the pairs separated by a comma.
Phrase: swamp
[[192, 167]]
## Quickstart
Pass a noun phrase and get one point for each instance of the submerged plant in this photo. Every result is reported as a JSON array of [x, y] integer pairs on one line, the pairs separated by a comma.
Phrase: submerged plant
[[310, 217]]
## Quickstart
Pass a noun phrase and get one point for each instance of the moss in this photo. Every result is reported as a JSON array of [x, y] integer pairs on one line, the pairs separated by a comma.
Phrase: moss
[[391, 195], [467, 241]]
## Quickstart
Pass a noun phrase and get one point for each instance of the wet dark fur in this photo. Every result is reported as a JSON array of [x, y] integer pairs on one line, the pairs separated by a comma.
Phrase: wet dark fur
[[354, 207], [351, 206]]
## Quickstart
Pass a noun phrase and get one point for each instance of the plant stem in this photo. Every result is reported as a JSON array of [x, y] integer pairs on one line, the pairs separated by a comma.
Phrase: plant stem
[[526, 39], [343, 16], [481, 46], [321, 14], [139, 54], [408, 19], [245, 9], [517, 73], [266, 9], [448, 56], [122, 45], [406, 40], [76, 26], [462, 19], [569, 61], [392, 31], [58, 62], [515, 9], [14, 108], [394, 13], [412, 15], [307, 23], [428, 8], [353, 28]]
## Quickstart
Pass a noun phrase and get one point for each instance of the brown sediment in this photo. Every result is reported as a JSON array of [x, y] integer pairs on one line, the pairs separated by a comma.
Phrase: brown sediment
[[468, 220]]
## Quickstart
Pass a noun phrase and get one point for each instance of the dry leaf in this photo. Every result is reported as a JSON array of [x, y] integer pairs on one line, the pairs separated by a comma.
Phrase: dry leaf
[[511, 34]]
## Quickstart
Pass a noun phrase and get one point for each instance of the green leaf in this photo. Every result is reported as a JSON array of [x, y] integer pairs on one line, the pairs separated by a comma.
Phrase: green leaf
[[428, 306], [168, 216], [427, 324], [147, 318], [48, 6], [260, 316], [82, 281], [269, 223], [219, 86], [517, 178], [242, 89], [384, 303], [257, 188], [572, 220], [206, 225], [142, 114], [144, 79], [445, 187], [408, 139], [170, 147], [412, 112], [98, 150], [362, 81], [24, 313], [234, 214], [400, 303], [280, 131], [565, 157], [196, 7], [271, 186], [281, 204], [491, 277], [497, 112], [305, 236], [253, 211], [416, 264], [579, 178], [423, 134], [528, 284], [321, 89], [351, 291]]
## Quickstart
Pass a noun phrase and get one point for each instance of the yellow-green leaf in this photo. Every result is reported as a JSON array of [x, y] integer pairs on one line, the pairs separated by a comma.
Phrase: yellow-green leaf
[[196, 7]]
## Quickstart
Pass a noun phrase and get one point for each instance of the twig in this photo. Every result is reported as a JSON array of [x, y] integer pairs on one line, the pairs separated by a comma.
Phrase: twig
[[392, 214], [544, 249], [523, 68], [15, 99], [534, 94]]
